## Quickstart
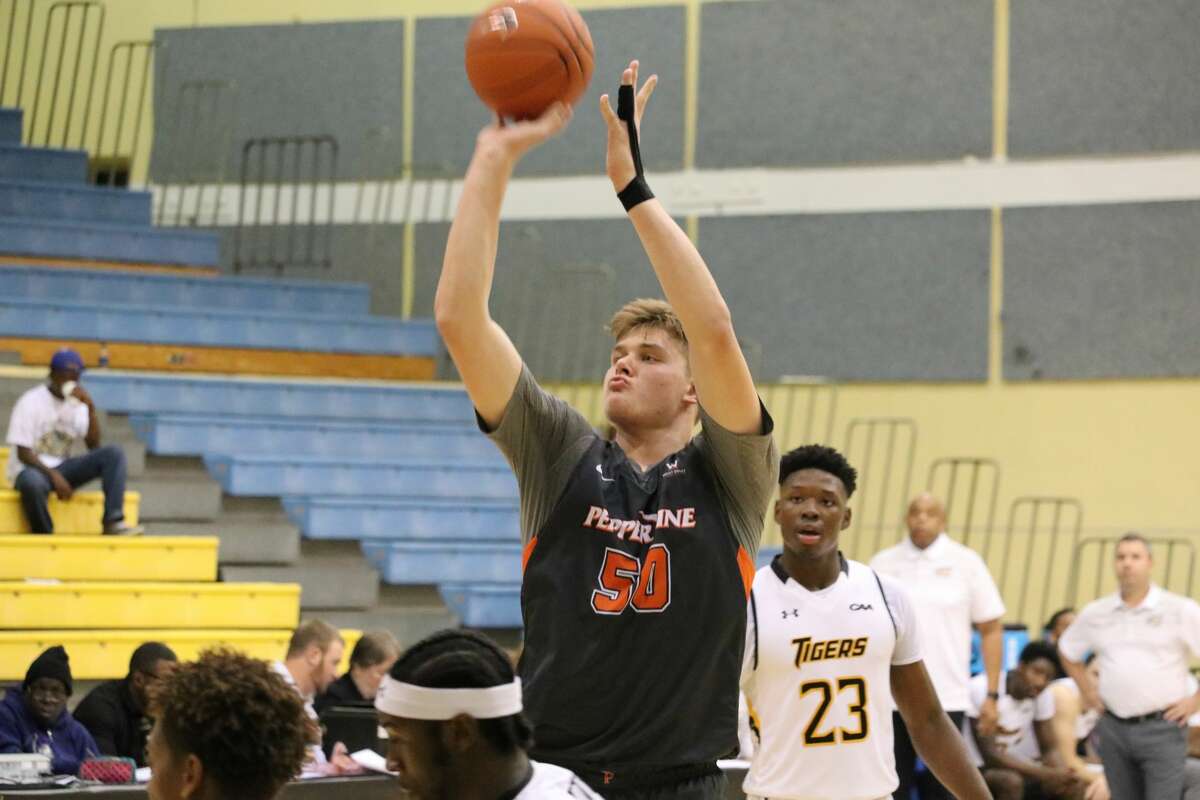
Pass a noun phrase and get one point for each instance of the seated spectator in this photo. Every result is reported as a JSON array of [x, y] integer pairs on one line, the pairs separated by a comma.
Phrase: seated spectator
[[372, 657], [451, 707], [227, 726], [313, 655], [46, 421], [115, 712], [1073, 726], [1021, 759], [36, 720]]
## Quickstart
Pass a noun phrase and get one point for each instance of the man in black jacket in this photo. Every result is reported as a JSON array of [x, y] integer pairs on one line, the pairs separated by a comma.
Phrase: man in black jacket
[[115, 712]]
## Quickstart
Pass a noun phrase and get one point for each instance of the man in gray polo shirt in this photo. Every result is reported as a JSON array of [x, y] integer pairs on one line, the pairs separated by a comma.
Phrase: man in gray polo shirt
[[1142, 637]]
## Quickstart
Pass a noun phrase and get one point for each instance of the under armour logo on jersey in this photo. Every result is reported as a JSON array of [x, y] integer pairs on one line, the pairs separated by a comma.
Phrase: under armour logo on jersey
[[860, 606], [795, 612], [600, 469]]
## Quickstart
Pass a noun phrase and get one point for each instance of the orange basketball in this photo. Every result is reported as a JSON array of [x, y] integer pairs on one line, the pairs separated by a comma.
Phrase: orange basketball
[[524, 55]]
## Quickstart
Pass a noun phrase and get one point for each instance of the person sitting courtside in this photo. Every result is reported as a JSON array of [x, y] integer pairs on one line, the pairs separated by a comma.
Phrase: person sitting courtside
[[116, 712], [36, 720], [227, 726], [373, 655]]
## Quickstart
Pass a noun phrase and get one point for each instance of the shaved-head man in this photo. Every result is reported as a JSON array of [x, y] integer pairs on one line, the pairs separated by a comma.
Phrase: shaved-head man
[[951, 590]]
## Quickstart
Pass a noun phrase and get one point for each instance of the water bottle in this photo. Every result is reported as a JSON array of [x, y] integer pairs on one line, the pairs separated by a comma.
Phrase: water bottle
[[103, 355]]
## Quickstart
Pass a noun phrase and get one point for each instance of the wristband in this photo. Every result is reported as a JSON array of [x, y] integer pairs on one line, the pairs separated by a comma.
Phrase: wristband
[[993, 695], [636, 191]]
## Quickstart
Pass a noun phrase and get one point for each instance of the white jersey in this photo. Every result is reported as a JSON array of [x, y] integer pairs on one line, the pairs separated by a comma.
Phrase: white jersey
[[550, 782], [817, 674]]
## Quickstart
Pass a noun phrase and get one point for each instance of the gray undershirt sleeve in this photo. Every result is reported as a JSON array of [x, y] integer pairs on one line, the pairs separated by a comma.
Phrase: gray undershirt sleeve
[[543, 439], [747, 471]]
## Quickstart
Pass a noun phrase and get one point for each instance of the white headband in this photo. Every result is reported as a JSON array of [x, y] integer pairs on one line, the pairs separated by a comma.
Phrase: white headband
[[418, 702]]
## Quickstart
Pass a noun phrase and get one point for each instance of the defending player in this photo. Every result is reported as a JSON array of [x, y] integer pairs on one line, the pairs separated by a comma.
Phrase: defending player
[[829, 645], [640, 550]]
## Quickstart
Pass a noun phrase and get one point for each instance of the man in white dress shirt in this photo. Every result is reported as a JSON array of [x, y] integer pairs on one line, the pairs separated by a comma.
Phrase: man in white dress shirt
[[951, 590], [1143, 637]]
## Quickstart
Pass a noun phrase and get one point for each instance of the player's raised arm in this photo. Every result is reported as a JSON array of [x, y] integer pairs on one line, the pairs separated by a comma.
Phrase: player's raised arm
[[486, 358], [723, 381]]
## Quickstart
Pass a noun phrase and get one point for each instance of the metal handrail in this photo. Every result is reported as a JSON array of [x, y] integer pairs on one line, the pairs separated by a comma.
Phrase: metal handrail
[[88, 9], [900, 452], [128, 48], [1057, 526], [273, 174], [202, 128], [981, 471]]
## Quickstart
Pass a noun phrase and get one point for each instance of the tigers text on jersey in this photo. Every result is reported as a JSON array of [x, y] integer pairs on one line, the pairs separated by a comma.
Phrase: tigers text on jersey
[[817, 674]]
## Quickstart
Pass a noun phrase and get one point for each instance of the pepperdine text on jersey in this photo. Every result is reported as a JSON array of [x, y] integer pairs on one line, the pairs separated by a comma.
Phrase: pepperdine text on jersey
[[640, 530]]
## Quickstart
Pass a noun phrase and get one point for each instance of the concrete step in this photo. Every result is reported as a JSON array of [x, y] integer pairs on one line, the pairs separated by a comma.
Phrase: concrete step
[[411, 613], [10, 125], [330, 577], [177, 488], [246, 539], [42, 164]]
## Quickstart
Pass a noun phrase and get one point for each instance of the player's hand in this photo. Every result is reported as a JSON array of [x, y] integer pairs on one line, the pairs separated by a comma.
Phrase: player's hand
[[619, 159], [514, 139], [1058, 781], [62, 488], [988, 716], [1180, 712], [81, 394]]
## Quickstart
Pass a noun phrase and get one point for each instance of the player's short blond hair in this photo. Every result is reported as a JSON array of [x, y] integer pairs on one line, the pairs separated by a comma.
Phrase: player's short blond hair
[[647, 312]]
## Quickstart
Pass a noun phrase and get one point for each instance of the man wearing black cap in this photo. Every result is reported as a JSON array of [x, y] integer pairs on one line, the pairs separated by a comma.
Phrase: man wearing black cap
[[45, 422], [36, 720], [116, 712]]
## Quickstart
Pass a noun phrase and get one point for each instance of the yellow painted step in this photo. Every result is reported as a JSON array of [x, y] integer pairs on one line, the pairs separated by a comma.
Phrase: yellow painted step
[[79, 516], [31, 606], [108, 558], [104, 654]]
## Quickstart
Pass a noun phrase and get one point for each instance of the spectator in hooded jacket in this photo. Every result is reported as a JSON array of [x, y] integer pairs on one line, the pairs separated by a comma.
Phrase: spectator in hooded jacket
[[36, 720]]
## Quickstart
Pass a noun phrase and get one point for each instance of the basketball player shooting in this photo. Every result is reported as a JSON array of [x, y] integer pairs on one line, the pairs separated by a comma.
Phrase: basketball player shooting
[[829, 647], [639, 551]]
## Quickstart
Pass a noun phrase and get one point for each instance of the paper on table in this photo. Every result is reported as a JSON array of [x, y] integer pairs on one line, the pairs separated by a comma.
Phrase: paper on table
[[369, 759]]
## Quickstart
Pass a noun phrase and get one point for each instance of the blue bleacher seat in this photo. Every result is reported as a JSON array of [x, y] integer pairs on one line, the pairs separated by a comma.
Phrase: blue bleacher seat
[[214, 327], [10, 125], [129, 392], [179, 434], [406, 563], [259, 294], [423, 518], [76, 202], [259, 476], [29, 236], [42, 164], [480, 605]]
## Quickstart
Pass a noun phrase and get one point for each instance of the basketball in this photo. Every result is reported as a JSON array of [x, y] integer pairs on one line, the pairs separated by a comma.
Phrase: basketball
[[524, 55]]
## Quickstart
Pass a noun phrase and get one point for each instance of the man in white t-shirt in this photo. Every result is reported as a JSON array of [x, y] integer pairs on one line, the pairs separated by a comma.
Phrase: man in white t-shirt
[[1021, 759], [46, 421], [1073, 727], [452, 710], [951, 590], [1143, 638], [831, 649]]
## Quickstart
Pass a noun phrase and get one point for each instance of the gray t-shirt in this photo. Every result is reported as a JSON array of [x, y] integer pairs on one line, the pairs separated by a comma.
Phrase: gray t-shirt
[[543, 439]]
